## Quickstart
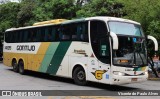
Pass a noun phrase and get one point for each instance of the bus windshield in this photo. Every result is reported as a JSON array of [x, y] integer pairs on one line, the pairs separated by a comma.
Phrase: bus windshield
[[124, 28], [131, 51], [132, 48]]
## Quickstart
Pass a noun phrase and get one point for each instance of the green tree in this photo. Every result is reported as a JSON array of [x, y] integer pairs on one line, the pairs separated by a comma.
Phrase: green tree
[[63, 9], [54, 9], [43, 10], [100, 8], [8, 16], [25, 14]]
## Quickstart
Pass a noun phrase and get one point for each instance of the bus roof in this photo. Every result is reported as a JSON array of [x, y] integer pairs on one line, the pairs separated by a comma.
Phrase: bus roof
[[47, 23], [56, 21], [112, 19]]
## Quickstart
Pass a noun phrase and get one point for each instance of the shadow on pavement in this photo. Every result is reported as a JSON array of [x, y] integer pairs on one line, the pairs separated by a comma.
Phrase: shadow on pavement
[[68, 80]]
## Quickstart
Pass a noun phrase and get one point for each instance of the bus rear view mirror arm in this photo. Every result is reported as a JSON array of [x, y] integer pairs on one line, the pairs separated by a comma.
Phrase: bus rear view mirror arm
[[154, 41], [115, 40]]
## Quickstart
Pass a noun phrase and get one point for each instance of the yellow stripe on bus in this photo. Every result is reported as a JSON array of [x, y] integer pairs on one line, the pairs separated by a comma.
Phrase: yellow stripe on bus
[[31, 61], [37, 59]]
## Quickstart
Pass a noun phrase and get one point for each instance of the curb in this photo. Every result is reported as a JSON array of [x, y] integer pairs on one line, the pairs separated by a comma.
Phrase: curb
[[154, 79]]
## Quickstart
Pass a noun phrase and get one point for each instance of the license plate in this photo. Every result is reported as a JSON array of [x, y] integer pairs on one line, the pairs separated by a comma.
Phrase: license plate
[[134, 79]]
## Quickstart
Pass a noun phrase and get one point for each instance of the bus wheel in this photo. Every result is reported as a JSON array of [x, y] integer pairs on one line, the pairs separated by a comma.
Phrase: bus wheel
[[21, 67], [14, 65], [79, 76]]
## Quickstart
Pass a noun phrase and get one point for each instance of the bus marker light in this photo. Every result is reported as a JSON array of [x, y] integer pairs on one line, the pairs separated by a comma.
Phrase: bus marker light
[[123, 61], [135, 72], [92, 55]]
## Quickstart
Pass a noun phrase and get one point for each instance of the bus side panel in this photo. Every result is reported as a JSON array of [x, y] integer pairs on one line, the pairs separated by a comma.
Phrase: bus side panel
[[8, 57], [78, 55], [59, 59], [78, 61], [55, 61], [35, 60], [63, 68]]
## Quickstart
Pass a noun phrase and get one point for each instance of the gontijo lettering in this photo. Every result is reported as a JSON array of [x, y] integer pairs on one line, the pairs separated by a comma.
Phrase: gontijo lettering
[[25, 47]]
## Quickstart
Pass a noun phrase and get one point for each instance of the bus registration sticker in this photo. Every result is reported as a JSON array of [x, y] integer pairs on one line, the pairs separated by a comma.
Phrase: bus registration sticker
[[107, 76]]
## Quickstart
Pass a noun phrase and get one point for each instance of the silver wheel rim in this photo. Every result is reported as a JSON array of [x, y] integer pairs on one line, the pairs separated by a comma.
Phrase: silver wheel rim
[[80, 75]]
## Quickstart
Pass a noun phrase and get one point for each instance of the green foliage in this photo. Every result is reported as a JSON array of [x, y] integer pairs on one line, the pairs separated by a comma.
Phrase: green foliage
[[8, 12], [26, 12], [100, 8], [42, 11], [54, 9], [8, 16], [63, 9]]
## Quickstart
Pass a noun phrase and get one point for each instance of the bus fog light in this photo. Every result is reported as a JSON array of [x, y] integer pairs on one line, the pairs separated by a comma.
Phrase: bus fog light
[[118, 73], [121, 74], [146, 73]]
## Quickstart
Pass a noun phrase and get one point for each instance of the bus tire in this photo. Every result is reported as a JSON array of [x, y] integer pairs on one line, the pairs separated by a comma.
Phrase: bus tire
[[21, 67], [15, 65], [79, 76]]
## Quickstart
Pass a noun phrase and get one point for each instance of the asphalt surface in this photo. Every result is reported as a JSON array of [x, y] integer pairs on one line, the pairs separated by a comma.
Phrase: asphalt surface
[[10, 80]]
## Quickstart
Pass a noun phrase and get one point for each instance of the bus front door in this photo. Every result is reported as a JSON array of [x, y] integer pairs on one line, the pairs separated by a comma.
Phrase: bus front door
[[104, 60], [99, 62]]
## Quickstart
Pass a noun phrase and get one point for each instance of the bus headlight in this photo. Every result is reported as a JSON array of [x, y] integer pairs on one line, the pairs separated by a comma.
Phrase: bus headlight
[[118, 73], [146, 73]]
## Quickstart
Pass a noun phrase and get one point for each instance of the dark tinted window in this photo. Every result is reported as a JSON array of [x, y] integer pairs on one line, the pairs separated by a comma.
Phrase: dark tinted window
[[65, 32], [75, 32]]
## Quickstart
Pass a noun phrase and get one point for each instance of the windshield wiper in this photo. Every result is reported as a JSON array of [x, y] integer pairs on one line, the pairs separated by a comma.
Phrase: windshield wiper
[[134, 56], [141, 57]]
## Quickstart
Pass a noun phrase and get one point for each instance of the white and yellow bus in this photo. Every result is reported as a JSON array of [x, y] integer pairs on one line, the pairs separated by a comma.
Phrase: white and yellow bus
[[100, 49]]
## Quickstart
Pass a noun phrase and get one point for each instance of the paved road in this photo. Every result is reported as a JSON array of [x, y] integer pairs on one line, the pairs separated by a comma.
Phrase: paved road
[[10, 80]]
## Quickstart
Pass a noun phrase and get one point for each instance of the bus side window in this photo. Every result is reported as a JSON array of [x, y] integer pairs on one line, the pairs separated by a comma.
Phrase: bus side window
[[32, 35], [25, 39], [29, 35], [84, 35], [53, 33], [42, 34], [38, 35], [60, 33], [46, 34], [79, 32], [73, 32], [21, 36], [49, 35], [7, 37], [66, 31], [57, 33], [16, 37], [13, 37]]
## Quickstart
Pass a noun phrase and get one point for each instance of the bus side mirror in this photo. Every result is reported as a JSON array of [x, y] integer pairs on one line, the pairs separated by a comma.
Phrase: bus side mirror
[[115, 40], [154, 41]]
